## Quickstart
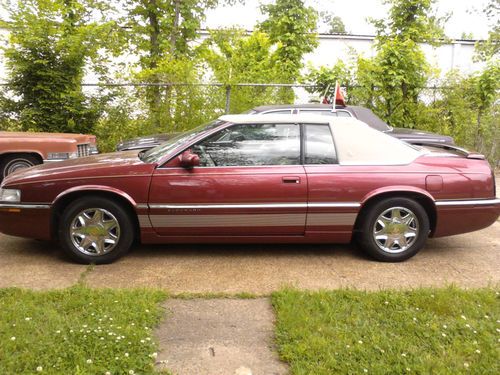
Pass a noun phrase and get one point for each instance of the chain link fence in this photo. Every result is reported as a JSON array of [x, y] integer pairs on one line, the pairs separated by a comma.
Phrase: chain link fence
[[229, 97]]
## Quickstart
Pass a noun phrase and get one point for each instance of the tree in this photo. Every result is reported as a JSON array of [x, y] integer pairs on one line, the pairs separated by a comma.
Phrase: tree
[[162, 31], [399, 69], [291, 26], [490, 48], [235, 57], [333, 23], [324, 79], [49, 44]]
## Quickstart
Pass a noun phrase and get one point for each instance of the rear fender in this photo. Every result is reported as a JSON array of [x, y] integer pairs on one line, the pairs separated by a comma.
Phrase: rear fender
[[396, 189]]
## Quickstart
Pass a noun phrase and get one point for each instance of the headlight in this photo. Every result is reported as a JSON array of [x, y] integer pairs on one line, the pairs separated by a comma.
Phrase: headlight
[[93, 150], [10, 195], [61, 155]]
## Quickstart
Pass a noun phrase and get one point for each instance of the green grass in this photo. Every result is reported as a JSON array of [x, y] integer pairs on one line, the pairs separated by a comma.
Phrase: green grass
[[423, 331], [78, 331]]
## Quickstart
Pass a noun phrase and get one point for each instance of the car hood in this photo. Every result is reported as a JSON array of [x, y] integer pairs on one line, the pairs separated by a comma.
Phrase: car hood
[[420, 136], [98, 166], [80, 138]]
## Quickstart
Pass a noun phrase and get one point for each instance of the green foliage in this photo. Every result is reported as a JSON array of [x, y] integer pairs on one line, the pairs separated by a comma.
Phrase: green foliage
[[50, 44], [468, 110], [400, 69], [333, 23], [162, 31], [411, 19], [421, 331], [292, 27], [490, 48], [324, 78], [78, 331], [238, 58]]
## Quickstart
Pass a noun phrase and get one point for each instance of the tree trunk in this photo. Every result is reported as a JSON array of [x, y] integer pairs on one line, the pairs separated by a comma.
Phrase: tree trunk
[[169, 94], [154, 92], [477, 140], [175, 28], [406, 113]]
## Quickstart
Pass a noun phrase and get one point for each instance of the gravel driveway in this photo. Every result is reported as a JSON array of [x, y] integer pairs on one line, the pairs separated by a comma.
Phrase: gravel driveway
[[469, 260]]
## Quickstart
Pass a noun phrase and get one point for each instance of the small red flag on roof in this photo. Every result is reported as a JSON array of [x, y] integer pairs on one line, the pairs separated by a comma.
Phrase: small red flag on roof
[[339, 97]]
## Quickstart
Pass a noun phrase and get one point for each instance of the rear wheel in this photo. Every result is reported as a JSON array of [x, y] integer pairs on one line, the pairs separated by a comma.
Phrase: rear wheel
[[11, 163], [394, 229], [95, 230]]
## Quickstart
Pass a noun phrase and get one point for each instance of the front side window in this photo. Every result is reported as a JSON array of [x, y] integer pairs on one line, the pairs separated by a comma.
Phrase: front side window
[[251, 145], [319, 147]]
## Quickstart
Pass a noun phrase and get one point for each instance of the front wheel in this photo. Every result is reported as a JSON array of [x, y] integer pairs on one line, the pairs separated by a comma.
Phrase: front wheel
[[95, 230], [15, 162], [394, 229]]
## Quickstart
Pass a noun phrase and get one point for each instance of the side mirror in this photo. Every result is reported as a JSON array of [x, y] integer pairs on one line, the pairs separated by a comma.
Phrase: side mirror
[[189, 160]]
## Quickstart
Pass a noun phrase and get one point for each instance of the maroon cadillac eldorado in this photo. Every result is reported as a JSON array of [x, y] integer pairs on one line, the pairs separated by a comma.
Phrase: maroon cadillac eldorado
[[248, 179]]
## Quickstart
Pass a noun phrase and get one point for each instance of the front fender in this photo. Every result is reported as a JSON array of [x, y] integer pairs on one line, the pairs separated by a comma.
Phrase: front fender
[[99, 188]]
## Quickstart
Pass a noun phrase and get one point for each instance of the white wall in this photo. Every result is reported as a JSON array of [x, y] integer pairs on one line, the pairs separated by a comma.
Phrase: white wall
[[455, 55]]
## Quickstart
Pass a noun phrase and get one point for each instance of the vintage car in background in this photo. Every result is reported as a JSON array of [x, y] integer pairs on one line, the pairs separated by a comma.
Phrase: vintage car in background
[[20, 150], [249, 179], [412, 136]]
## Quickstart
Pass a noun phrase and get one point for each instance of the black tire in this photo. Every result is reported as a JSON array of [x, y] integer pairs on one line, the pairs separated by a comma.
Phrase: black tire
[[73, 241], [13, 162], [371, 237]]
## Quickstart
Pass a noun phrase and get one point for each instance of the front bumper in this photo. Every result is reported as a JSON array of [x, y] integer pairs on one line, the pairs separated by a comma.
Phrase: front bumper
[[25, 220], [463, 216]]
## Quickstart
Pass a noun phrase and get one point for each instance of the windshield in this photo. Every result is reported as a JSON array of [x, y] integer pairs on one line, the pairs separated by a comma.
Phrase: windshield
[[155, 154]]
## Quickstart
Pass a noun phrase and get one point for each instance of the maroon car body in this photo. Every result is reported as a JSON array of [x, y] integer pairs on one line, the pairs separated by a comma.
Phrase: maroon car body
[[169, 202]]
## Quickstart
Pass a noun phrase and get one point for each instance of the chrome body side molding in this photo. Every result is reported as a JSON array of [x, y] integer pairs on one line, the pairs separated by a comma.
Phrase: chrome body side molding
[[25, 205], [467, 202]]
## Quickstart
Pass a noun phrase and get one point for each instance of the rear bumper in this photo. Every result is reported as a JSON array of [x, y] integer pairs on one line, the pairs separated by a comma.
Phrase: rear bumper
[[462, 216], [25, 220]]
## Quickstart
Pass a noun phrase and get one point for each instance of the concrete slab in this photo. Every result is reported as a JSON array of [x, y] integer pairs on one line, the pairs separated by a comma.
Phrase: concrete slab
[[35, 265], [219, 337]]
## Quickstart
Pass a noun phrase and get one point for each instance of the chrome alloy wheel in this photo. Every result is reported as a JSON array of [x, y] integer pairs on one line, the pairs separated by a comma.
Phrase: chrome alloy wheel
[[395, 230], [95, 231]]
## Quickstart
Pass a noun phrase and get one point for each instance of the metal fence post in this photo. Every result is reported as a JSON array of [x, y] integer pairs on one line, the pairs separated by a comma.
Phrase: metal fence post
[[228, 98]]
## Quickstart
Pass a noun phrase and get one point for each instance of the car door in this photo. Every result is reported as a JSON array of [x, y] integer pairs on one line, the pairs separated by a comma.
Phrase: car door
[[250, 182], [331, 210]]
